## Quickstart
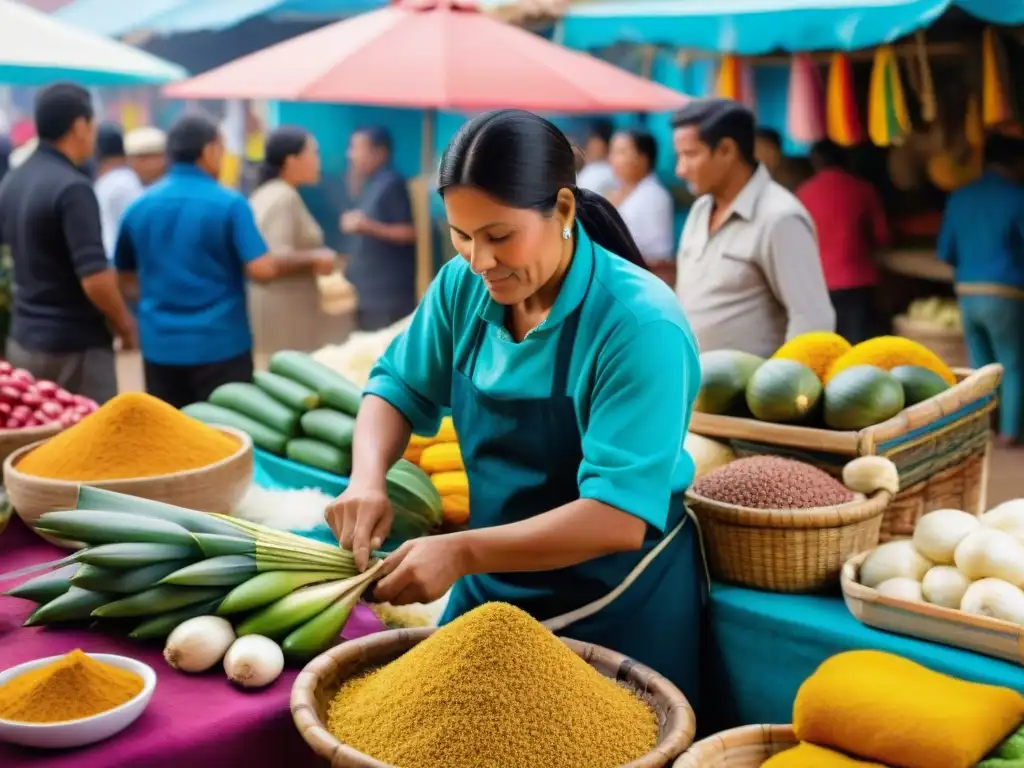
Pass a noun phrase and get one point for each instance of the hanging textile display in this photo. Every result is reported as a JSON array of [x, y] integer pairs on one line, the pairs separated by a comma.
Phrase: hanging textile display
[[805, 119], [842, 117], [888, 119], [997, 105], [735, 81]]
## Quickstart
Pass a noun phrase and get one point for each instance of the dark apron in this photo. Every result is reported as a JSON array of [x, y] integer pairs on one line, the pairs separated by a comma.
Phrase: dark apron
[[522, 458]]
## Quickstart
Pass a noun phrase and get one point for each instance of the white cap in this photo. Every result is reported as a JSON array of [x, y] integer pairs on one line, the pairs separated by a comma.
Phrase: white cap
[[145, 141], [22, 153]]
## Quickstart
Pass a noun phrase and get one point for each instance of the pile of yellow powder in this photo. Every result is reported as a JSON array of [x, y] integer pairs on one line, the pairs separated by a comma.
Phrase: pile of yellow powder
[[134, 435], [493, 688], [74, 687]]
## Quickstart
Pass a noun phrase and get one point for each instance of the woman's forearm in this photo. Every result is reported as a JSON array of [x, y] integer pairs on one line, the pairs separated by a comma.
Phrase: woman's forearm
[[568, 535], [381, 436]]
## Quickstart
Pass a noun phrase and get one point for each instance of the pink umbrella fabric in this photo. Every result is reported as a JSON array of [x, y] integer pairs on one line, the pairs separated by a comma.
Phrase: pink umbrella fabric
[[431, 54], [806, 107]]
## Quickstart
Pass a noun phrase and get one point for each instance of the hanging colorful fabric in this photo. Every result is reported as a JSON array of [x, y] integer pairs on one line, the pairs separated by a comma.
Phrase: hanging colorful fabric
[[996, 88], [888, 120], [735, 81], [842, 116], [806, 103]]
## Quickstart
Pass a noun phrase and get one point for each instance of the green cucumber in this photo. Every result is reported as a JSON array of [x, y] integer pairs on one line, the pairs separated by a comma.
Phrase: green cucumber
[[333, 388], [332, 427], [296, 396], [314, 453], [264, 437], [249, 400]]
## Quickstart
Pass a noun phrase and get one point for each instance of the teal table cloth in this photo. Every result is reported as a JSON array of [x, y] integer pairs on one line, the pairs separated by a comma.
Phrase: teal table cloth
[[762, 646]]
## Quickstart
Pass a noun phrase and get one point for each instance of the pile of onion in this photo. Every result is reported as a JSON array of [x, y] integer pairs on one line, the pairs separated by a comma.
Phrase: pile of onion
[[26, 402]]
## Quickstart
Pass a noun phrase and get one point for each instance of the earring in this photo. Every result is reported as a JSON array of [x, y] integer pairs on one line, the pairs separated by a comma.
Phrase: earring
[[566, 233]]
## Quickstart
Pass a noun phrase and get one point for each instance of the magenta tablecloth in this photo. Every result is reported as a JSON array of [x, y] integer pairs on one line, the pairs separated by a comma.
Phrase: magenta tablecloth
[[193, 720]]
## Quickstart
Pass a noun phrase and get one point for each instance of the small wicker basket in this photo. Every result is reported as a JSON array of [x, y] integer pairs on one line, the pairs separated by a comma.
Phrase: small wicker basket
[[789, 550], [321, 678], [218, 487], [746, 747]]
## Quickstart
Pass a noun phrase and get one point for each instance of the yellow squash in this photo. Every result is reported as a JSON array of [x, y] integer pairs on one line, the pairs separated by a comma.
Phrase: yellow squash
[[442, 457]]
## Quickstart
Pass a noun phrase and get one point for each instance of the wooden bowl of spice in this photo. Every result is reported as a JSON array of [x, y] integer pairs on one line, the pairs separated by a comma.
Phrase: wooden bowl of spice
[[72, 700], [136, 445], [494, 682]]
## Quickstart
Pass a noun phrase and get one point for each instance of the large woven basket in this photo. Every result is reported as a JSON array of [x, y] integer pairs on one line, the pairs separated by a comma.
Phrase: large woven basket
[[321, 678], [218, 487], [939, 446], [746, 747], [787, 550]]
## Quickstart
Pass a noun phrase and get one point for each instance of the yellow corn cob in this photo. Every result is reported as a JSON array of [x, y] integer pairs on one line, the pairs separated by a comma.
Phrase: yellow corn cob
[[419, 441], [456, 508], [446, 434], [448, 483], [442, 457]]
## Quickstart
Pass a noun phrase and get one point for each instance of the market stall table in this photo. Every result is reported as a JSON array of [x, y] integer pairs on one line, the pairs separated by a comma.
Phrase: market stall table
[[763, 645], [192, 720]]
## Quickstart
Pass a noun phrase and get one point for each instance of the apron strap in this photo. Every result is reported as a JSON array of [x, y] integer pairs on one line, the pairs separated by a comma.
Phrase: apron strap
[[558, 623]]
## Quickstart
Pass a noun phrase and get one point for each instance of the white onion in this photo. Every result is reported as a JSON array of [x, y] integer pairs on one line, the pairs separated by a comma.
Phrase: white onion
[[197, 644], [990, 553], [891, 560], [996, 599], [937, 533], [945, 586], [901, 588], [254, 661]]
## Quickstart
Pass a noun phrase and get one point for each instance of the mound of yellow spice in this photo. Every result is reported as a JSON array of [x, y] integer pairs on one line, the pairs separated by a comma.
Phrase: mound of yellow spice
[[133, 435], [493, 688], [71, 688]]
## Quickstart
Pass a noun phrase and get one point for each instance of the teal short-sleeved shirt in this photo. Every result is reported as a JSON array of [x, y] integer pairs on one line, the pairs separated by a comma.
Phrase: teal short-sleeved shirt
[[633, 376]]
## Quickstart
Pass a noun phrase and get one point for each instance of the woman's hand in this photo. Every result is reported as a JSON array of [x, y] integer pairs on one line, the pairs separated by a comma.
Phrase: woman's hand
[[360, 518], [422, 570]]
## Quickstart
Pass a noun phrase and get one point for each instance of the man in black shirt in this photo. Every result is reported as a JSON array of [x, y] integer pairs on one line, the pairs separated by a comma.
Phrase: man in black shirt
[[66, 297]]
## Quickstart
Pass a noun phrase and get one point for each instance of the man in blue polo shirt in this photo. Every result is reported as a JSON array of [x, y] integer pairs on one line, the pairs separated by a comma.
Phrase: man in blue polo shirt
[[186, 248]]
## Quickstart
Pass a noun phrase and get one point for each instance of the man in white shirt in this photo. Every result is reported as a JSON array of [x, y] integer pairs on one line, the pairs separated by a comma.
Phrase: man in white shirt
[[117, 186], [597, 175]]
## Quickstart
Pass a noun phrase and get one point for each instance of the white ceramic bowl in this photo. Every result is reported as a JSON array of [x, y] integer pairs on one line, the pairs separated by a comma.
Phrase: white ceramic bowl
[[77, 733]]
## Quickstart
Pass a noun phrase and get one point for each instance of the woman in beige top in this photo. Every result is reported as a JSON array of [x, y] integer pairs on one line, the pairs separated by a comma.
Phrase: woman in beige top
[[291, 159]]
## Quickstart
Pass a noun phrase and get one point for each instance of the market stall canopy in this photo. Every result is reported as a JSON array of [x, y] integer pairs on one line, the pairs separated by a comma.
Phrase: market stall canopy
[[431, 54], [36, 48], [121, 17], [754, 27]]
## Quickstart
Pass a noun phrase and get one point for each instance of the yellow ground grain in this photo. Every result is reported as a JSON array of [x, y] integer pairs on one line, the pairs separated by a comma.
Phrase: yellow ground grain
[[493, 688]]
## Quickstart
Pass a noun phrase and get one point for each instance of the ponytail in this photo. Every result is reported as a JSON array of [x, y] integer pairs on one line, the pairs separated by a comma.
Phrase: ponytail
[[605, 226], [267, 172]]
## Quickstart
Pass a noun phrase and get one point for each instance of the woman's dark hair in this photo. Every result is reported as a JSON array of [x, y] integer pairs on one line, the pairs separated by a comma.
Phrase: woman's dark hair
[[645, 145], [523, 161], [284, 142]]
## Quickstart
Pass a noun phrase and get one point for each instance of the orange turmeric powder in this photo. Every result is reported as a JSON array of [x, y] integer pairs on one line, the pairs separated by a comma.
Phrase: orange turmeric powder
[[74, 687], [133, 435]]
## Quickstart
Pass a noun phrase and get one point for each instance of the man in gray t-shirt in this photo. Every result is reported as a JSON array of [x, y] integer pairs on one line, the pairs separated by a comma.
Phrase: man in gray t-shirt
[[382, 251]]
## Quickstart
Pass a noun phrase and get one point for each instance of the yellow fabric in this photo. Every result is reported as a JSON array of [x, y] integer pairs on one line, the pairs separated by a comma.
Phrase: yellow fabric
[[811, 756], [886, 708], [231, 171]]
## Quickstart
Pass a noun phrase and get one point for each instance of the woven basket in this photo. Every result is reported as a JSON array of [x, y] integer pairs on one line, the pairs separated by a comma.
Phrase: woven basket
[[939, 446], [787, 550], [218, 487], [948, 344], [746, 747], [319, 681]]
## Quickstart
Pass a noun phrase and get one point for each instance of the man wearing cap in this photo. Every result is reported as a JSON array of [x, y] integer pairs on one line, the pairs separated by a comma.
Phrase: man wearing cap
[[146, 149], [117, 186]]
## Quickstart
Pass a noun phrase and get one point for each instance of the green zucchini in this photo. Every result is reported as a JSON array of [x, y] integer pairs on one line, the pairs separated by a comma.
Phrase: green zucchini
[[333, 388], [262, 436], [296, 396], [249, 400], [332, 427], [314, 453]]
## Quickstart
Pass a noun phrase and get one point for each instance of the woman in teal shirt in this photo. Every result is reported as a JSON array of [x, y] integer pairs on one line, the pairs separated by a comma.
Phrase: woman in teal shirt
[[570, 372]]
